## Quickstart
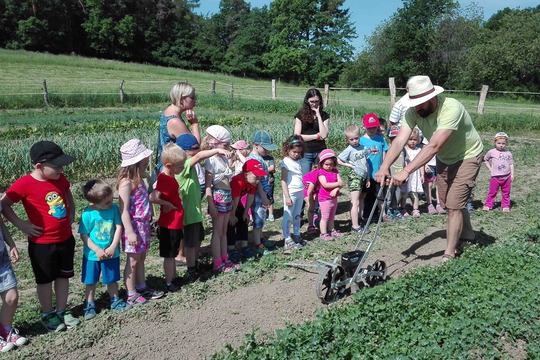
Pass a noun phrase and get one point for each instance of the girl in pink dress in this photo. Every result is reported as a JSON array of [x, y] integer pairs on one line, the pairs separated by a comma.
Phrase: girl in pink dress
[[500, 163], [135, 212]]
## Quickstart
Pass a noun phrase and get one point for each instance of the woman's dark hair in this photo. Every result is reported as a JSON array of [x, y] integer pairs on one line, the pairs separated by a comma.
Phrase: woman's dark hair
[[306, 112], [292, 142]]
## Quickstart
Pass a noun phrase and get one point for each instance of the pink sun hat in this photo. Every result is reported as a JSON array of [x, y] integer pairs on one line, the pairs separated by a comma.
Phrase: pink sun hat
[[240, 145], [133, 151]]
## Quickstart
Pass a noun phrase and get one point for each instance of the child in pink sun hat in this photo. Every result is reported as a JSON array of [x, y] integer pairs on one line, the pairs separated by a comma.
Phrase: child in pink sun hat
[[330, 185]]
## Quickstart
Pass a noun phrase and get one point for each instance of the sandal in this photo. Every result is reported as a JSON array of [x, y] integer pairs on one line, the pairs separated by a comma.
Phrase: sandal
[[447, 257]]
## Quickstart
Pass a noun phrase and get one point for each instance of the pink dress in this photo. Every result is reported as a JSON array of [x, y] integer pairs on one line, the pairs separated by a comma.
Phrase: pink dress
[[140, 213]]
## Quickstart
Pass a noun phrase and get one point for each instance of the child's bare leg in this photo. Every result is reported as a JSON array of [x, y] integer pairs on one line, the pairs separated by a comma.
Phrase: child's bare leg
[[191, 256], [182, 253], [361, 204], [61, 288], [415, 200], [311, 209], [355, 208], [10, 299], [169, 269], [140, 272], [215, 244], [324, 226], [129, 271], [90, 292], [112, 289], [44, 294], [223, 239]]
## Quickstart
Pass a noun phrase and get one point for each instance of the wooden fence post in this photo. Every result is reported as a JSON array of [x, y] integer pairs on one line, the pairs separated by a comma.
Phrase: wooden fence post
[[274, 97], [122, 94], [213, 87], [482, 100], [45, 93], [326, 94], [392, 86]]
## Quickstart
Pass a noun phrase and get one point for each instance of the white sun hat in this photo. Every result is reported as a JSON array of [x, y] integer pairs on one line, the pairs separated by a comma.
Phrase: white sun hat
[[419, 90], [133, 151]]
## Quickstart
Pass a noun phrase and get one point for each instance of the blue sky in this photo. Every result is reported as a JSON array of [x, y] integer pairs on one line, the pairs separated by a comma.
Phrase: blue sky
[[368, 14]]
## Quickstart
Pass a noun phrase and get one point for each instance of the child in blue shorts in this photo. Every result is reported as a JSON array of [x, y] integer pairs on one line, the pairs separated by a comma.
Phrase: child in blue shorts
[[9, 336], [101, 230]]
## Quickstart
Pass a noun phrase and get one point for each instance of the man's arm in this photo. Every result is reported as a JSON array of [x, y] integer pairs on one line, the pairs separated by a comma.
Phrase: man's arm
[[397, 146], [439, 138]]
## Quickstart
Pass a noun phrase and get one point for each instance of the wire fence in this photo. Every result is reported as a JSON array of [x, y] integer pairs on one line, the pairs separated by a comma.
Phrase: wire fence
[[26, 93]]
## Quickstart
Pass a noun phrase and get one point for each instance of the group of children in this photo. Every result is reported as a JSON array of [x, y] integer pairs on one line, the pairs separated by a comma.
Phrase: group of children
[[238, 189]]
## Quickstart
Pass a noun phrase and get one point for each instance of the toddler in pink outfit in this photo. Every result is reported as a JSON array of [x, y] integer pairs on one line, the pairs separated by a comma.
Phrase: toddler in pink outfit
[[330, 184], [500, 163]]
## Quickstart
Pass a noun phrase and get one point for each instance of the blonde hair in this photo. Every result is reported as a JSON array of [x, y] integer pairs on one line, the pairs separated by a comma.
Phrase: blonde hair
[[415, 132], [95, 191], [180, 91], [351, 130], [173, 154]]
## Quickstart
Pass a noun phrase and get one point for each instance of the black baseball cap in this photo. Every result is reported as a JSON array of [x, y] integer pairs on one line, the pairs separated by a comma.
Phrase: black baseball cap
[[47, 151]]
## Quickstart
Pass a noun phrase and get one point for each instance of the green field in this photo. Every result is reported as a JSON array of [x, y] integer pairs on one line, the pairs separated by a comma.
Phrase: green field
[[495, 284]]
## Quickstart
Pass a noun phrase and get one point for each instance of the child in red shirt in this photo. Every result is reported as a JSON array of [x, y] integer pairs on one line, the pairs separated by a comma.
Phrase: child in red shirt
[[46, 196], [171, 215], [237, 231]]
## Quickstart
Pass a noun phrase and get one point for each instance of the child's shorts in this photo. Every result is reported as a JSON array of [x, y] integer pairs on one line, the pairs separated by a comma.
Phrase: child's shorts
[[109, 269], [431, 176], [169, 242], [355, 182], [52, 261], [240, 231], [193, 234], [258, 212], [222, 201], [8, 280]]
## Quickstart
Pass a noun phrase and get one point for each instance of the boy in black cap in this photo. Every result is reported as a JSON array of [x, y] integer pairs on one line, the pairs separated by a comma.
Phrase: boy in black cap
[[46, 196]]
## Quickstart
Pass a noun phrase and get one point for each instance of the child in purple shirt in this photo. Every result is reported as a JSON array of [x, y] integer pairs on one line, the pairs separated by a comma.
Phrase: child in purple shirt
[[500, 163]]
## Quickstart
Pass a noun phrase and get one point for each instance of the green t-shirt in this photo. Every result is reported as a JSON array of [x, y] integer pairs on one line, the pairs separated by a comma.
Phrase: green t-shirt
[[191, 193], [464, 143]]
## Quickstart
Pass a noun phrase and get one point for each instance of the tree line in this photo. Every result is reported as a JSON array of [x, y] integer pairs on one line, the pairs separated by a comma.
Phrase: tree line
[[303, 41]]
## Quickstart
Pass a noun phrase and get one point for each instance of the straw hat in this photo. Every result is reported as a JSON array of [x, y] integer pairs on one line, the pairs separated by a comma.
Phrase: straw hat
[[419, 90]]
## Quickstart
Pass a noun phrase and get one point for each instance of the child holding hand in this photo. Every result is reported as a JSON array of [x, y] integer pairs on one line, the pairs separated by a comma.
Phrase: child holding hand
[[500, 163], [135, 213], [101, 229], [330, 185]]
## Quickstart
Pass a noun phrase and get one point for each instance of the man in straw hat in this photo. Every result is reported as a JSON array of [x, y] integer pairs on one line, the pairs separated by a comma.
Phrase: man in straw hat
[[457, 145]]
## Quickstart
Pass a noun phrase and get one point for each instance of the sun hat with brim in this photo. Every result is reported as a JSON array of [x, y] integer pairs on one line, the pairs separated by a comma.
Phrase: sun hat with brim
[[240, 145], [49, 152], [419, 90], [219, 133], [326, 154], [133, 151]]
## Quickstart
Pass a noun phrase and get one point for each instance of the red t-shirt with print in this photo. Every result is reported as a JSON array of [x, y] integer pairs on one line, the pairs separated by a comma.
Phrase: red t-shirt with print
[[170, 191], [46, 205]]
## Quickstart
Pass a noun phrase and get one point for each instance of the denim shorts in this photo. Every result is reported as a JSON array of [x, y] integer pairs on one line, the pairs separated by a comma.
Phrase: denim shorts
[[109, 269], [258, 212], [7, 278]]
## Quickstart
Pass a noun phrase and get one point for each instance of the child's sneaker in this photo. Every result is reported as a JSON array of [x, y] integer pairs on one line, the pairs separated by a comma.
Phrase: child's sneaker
[[52, 322], [136, 299], [261, 250], [68, 319], [230, 266], [397, 215], [470, 207], [486, 208], [326, 237], [13, 337], [89, 312], [357, 230], [172, 288], [271, 218], [290, 244], [234, 256], [247, 252], [312, 229], [150, 293], [336, 234], [120, 305], [440, 209], [192, 275], [431, 209], [404, 213], [506, 209], [388, 218], [298, 239], [416, 212], [5, 346]]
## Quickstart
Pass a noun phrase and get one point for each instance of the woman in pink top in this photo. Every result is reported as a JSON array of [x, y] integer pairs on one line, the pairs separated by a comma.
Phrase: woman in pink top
[[500, 163], [330, 184]]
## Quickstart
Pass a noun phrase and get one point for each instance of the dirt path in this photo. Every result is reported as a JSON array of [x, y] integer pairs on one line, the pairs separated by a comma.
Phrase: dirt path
[[287, 297]]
